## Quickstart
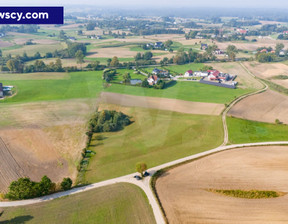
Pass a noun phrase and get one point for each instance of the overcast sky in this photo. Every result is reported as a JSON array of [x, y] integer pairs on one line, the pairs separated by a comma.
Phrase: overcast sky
[[152, 3]]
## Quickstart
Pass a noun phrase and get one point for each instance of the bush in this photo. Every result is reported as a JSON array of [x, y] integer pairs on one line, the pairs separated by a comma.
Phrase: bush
[[108, 121], [66, 184]]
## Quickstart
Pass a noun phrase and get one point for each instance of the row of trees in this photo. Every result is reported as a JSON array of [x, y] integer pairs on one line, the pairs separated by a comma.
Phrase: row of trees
[[24, 188]]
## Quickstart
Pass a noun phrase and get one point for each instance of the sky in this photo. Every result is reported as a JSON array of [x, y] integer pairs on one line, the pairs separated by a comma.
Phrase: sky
[[152, 3]]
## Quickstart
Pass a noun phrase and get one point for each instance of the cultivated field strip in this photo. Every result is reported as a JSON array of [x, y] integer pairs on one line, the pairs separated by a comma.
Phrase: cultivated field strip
[[9, 168]]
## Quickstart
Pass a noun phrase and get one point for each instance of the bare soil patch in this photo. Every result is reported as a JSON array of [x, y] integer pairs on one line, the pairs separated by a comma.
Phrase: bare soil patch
[[264, 107], [184, 196], [162, 104]]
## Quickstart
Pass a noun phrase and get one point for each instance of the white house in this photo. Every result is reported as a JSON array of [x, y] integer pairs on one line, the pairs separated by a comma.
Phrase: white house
[[152, 80], [188, 73], [201, 74]]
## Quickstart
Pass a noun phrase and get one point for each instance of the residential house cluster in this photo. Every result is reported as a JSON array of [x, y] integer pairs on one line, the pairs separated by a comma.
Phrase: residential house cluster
[[95, 37], [160, 72], [156, 45], [211, 75]]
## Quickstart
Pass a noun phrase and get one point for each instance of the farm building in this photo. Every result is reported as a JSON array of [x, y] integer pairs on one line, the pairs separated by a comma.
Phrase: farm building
[[1, 90], [152, 80], [201, 74], [188, 73]]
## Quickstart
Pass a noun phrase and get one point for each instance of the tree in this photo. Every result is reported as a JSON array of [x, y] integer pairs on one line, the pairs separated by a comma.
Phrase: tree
[[0, 53], [45, 186], [62, 35], [232, 51], [279, 47], [114, 62], [147, 55], [66, 184], [23, 188], [127, 77], [14, 65], [79, 57], [141, 168], [145, 83], [168, 43], [58, 65]]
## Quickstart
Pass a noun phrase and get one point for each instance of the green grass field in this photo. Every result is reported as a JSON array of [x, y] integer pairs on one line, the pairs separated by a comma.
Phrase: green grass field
[[190, 91], [156, 137], [119, 203], [76, 85], [121, 72], [245, 131]]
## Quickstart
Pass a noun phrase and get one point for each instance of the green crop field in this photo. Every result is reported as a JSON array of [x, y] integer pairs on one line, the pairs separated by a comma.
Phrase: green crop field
[[76, 85], [119, 203], [156, 137], [245, 131], [190, 91]]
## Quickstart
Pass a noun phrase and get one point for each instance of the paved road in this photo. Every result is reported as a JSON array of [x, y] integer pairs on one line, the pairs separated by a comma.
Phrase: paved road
[[145, 184]]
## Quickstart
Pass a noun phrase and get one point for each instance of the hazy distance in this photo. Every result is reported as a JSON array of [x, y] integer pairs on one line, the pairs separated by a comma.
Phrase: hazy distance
[[152, 3]]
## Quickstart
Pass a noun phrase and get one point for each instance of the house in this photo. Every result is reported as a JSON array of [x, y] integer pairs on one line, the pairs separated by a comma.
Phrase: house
[[188, 73], [282, 53], [285, 32], [158, 45], [1, 91], [264, 51], [152, 80], [242, 31], [162, 73], [72, 38], [224, 76], [204, 46], [213, 74], [200, 74], [218, 52]]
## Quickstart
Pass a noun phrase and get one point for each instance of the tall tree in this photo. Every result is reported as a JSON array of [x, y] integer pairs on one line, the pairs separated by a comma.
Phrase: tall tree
[[114, 62], [127, 77], [141, 168], [232, 51], [279, 47], [79, 57]]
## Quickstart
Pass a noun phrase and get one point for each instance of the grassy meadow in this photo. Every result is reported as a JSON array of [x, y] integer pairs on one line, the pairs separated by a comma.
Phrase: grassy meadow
[[189, 91], [246, 131], [119, 203], [156, 137]]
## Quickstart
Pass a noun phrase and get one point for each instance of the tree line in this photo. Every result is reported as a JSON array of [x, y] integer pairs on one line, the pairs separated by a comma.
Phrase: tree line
[[24, 188]]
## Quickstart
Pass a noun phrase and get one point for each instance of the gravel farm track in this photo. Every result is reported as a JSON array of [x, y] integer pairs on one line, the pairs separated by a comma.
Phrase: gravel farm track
[[145, 184]]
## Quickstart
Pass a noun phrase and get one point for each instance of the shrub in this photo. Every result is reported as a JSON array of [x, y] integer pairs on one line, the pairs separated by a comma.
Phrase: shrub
[[66, 184]]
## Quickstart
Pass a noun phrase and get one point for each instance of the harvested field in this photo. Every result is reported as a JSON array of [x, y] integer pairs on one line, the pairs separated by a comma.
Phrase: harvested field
[[162, 104], [252, 46], [185, 198], [5, 43], [269, 71], [44, 138], [264, 107], [28, 152], [34, 76]]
